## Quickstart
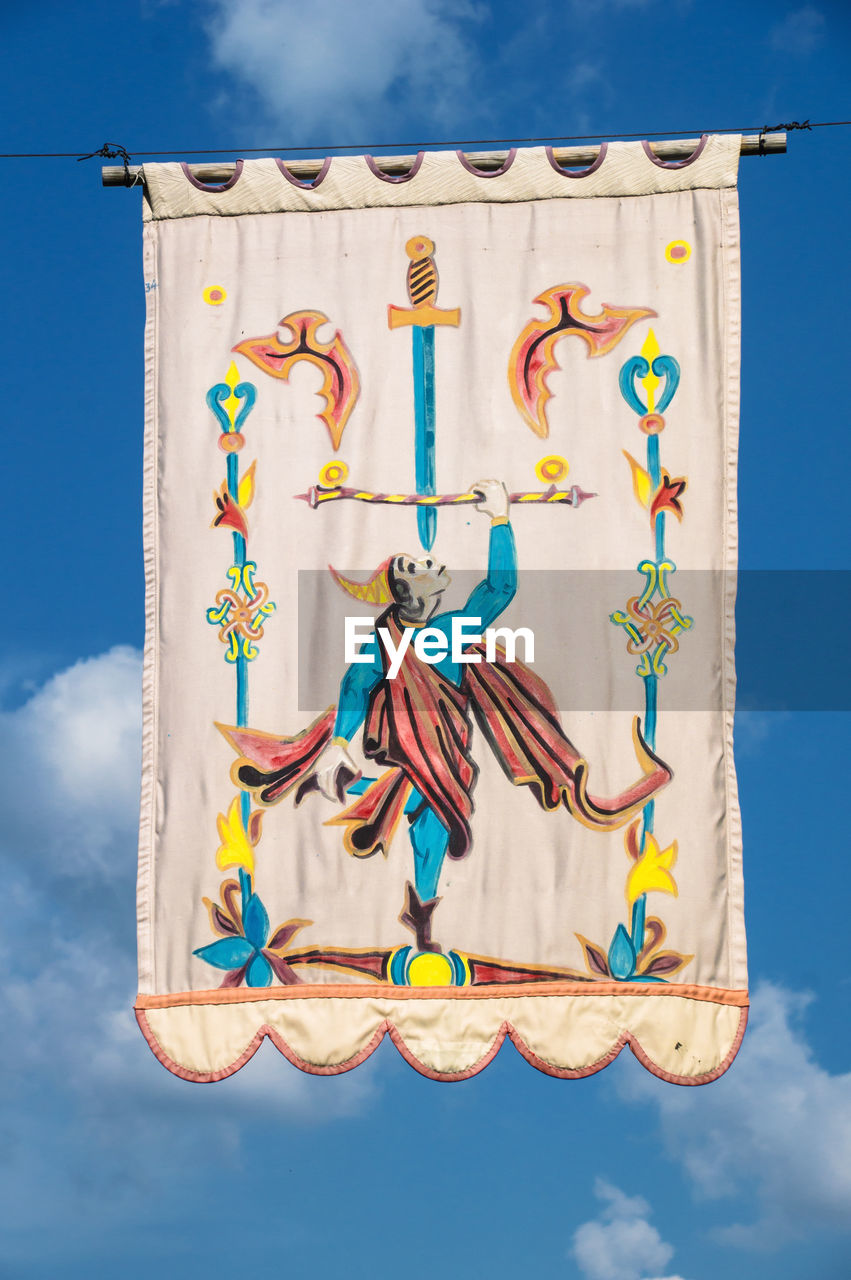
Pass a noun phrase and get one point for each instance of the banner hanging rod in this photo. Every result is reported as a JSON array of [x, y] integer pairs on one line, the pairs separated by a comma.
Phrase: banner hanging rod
[[755, 144]]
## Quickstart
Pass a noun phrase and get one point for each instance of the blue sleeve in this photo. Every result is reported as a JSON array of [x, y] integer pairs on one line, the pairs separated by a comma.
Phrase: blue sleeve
[[496, 592], [355, 688]]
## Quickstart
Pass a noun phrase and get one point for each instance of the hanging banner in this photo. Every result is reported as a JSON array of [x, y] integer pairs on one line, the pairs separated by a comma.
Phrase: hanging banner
[[440, 519]]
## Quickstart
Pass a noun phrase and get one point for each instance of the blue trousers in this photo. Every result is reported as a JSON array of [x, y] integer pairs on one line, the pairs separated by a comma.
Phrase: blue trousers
[[429, 840]]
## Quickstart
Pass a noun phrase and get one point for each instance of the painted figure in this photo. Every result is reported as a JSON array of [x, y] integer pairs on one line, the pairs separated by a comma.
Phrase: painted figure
[[417, 721], [416, 587]]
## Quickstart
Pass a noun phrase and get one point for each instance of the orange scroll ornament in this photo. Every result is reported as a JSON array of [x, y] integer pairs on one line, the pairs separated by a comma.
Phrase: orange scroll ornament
[[533, 354], [341, 384]]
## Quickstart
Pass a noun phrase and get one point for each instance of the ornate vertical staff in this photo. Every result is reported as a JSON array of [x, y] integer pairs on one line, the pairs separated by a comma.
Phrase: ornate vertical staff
[[242, 608], [247, 949], [652, 620], [422, 316]]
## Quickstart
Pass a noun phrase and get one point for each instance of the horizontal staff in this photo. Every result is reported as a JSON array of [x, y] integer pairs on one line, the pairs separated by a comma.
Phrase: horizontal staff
[[753, 144], [572, 497]]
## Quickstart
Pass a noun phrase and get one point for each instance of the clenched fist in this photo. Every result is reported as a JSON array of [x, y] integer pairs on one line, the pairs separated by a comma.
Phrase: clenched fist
[[494, 501]]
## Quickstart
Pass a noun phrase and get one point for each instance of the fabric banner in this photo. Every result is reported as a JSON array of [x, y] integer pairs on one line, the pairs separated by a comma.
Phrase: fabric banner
[[440, 521]]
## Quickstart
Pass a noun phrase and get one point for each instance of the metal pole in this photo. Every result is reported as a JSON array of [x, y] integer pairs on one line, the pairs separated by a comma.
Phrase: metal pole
[[754, 144]]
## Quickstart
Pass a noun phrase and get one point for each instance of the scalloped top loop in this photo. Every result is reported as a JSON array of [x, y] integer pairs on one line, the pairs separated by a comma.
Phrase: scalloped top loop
[[676, 164], [488, 173], [378, 172], [438, 178], [578, 173], [311, 183], [214, 187]]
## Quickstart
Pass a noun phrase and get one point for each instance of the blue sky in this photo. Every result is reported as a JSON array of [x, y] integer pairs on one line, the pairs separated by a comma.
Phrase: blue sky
[[111, 1165]]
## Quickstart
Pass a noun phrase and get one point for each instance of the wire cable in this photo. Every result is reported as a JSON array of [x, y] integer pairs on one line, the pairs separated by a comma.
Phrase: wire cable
[[112, 150]]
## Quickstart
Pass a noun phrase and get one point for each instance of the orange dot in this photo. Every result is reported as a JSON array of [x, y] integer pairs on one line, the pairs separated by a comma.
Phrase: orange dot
[[552, 468], [419, 247], [652, 423], [678, 251], [333, 473], [231, 442]]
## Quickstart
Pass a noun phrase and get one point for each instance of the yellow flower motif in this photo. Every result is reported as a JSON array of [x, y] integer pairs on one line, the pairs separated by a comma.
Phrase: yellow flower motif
[[641, 482], [652, 871], [235, 849], [245, 493]]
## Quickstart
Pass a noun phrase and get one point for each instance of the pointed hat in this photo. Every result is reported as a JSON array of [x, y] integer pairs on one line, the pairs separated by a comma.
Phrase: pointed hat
[[376, 590]]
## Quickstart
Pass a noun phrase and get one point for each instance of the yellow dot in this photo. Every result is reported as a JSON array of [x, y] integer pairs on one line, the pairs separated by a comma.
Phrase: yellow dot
[[214, 294], [333, 473], [678, 251], [430, 969], [552, 468]]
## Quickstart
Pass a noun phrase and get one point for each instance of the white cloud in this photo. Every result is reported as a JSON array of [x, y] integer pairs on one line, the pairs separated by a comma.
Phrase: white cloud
[[594, 10], [349, 66], [801, 31], [776, 1126], [620, 1244], [69, 789], [753, 729], [69, 784]]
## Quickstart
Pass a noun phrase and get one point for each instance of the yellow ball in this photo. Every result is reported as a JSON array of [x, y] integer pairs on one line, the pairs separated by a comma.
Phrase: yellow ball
[[430, 969]]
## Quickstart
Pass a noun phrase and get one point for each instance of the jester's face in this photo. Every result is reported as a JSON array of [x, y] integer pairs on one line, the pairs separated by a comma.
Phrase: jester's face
[[417, 585]]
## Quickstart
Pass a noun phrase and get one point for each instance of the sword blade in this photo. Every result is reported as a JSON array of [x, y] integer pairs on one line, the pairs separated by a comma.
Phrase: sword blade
[[424, 425]]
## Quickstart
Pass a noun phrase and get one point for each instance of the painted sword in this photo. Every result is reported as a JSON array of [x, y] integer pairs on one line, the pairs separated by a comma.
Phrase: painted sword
[[422, 317]]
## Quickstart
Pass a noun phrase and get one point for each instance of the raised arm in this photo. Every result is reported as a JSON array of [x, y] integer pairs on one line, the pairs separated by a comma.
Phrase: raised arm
[[496, 591]]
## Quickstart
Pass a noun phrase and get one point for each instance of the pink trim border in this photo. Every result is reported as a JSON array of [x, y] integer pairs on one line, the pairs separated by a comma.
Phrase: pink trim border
[[373, 166], [578, 173], [387, 1028], [490, 173], [313, 183], [361, 991], [214, 188], [675, 164]]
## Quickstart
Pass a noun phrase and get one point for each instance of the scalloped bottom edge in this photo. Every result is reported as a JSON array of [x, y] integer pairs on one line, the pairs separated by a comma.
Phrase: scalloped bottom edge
[[682, 1040]]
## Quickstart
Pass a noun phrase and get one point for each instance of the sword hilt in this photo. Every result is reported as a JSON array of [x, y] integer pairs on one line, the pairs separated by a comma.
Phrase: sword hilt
[[422, 273], [422, 281]]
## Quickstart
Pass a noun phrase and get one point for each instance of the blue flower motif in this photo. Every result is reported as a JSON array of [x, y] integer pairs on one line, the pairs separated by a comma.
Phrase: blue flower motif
[[247, 952]]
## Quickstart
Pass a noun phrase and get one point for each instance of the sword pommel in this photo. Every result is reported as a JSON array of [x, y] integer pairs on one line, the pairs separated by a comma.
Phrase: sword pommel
[[422, 281]]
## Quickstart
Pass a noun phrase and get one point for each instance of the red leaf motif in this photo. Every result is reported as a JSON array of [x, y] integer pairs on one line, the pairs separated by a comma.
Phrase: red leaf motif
[[668, 496], [255, 826], [667, 962], [230, 897], [285, 933], [654, 936], [595, 957], [282, 970], [235, 978], [221, 922]]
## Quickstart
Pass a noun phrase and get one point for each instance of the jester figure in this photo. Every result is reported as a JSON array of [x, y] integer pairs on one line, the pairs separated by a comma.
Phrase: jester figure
[[418, 725]]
